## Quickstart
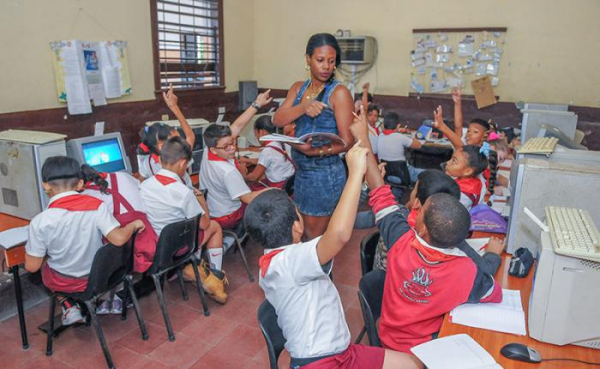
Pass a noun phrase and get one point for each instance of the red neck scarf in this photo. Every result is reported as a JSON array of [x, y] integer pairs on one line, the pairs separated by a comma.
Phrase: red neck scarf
[[265, 261], [214, 157], [76, 203], [389, 131], [164, 180]]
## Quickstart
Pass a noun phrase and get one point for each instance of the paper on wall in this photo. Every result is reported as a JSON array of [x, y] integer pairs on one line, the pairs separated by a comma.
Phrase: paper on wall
[[93, 72]]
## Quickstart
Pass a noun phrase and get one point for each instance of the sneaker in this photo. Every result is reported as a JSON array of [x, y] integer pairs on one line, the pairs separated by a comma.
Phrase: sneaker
[[214, 285], [103, 308], [117, 305], [188, 272], [72, 315]]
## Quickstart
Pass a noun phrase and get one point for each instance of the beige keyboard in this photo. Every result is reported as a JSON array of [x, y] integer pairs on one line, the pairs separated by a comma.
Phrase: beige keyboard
[[33, 137], [539, 145], [573, 233]]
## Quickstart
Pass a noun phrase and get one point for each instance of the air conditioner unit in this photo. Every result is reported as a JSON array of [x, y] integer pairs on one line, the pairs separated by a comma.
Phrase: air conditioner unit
[[357, 50]]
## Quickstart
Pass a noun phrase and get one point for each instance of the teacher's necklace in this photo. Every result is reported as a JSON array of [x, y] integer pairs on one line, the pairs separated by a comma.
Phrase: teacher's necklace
[[312, 92]]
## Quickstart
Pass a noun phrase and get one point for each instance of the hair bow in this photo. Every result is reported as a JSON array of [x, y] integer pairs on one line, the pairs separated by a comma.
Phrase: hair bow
[[485, 149], [146, 129], [493, 136]]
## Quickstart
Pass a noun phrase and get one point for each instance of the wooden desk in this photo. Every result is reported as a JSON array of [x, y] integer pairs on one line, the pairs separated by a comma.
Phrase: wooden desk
[[493, 341], [13, 258]]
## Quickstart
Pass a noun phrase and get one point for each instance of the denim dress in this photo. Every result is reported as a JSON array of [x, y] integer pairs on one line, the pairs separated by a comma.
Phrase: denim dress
[[319, 181]]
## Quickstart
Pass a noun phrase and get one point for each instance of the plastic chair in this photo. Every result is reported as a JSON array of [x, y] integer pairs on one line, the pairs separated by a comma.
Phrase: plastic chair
[[267, 320], [175, 248], [370, 296], [368, 248], [239, 235], [112, 266], [397, 169]]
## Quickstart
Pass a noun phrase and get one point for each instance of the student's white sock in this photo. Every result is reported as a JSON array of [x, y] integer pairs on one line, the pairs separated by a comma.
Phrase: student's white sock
[[215, 257]]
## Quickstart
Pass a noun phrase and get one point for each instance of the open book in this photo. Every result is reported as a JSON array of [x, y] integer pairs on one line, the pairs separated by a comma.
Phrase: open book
[[459, 351], [316, 136]]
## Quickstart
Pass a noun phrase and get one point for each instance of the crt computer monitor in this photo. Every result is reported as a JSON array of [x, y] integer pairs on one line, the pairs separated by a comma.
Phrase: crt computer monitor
[[105, 153]]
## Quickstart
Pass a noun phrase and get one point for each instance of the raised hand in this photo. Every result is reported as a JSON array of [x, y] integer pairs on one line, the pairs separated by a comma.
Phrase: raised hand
[[438, 120], [356, 158], [359, 128], [264, 98], [170, 98], [366, 86], [457, 96]]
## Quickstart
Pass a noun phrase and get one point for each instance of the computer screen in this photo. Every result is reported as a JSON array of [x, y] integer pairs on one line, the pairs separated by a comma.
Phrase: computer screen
[[104, 156]]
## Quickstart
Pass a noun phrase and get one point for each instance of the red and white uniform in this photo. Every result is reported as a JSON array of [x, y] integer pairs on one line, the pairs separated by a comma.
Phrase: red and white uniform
[[391, 145], [168, 200], [149, 165], [278, 166], [373, 136], [129, 187], [423, 282], [472, 190]]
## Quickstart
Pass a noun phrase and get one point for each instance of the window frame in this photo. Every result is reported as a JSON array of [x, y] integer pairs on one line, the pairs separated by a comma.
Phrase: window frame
[[156, 59]]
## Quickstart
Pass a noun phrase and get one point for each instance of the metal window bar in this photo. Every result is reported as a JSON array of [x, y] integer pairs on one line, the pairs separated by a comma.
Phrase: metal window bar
[[188, 43]]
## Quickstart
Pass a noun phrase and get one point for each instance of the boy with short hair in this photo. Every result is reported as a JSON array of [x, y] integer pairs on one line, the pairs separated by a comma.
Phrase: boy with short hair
[[69, 232], [427, 276], [295, 278], [392, 144], [169, 200]]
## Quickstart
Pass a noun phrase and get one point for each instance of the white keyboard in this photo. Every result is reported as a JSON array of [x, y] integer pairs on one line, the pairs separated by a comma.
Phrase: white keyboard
[[539, 145], [573, 233]]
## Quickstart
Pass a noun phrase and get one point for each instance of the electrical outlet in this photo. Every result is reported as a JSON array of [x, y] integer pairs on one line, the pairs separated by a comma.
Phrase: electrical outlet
[[221, 110], [164, 117]]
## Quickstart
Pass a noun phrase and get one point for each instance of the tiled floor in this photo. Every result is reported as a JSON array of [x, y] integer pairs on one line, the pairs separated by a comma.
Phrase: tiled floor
[[228, 338]]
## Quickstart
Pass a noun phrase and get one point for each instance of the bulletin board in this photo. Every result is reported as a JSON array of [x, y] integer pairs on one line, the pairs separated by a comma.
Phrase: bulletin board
[[446, 58]]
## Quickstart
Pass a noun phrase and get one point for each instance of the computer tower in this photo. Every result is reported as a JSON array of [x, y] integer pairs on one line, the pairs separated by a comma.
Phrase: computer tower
[[566, 121], [21, 176], [568, 178], [247, 94], [565, 299]]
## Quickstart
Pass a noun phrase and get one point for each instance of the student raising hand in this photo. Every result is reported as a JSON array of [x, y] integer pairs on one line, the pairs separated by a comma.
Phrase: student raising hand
[[359, 128], [170, 98], [356, 158]]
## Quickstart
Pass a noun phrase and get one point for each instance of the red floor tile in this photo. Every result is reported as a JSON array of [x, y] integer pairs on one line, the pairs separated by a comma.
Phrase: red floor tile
[[181, 353], [244, 340]]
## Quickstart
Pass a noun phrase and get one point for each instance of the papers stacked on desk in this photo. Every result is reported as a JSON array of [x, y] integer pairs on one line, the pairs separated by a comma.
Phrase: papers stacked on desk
[[14, 237], [459, 351], [507, 316]]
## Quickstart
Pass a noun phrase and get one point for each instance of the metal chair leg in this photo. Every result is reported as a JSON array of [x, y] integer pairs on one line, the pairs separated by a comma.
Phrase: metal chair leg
[[92, 310], [128, 282], [163, 307], [50, 325], [361, 335], [243, 255], [182, 285], [136, 307], [199, 286]]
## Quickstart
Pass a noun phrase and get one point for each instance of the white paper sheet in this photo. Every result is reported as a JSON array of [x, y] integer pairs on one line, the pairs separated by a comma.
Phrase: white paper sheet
[[477, 244], [507, 316], [14, 237], [459, 351]]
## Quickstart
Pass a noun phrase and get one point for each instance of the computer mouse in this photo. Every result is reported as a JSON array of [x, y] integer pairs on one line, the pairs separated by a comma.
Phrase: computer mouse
[[517, 351]]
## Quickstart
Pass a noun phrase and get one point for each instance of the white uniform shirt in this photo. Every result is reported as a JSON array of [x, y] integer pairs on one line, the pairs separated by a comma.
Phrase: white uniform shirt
[[69, 238], [168, 202], [128, 186], [224, 183], [391, 147], [149, 166], [277, 167], [308, 306], [373, 136]]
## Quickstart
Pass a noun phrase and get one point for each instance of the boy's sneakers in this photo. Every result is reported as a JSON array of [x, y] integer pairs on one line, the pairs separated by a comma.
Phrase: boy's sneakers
[[106, 308], [213, 281], [71, 313], [103, 308]]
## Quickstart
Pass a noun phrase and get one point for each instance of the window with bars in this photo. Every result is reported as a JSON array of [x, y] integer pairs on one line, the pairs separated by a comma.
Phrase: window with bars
[[188, 43]]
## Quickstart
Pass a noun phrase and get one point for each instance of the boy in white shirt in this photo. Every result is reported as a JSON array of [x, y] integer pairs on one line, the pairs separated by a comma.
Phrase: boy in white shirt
[[373, 120], [274, 166], [169, 200], [295, 278], [69, 232]]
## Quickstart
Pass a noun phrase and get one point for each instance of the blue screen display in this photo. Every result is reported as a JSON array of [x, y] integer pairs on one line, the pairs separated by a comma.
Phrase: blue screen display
[[104, 156]]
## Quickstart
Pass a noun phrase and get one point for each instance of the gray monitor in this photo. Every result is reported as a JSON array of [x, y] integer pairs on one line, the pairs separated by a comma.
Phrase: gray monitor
[[105, 153], [548, 130]]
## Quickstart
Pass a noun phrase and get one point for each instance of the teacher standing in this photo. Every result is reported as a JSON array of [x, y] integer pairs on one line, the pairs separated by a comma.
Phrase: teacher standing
[[319, 104]]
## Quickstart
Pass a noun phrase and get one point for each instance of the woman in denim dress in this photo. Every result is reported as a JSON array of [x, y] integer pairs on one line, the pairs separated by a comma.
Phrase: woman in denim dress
[[320, 104]]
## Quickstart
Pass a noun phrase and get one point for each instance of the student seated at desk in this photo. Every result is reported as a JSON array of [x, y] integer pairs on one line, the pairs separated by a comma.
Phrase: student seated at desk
[[168, 200], [427, 275], [153, 138], [69, 232], [392, 144], [295, 278], [466, 167], [273, 166]]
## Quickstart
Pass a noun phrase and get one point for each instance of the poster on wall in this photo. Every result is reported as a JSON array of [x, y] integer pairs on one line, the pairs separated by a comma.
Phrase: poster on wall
[[88, 72]]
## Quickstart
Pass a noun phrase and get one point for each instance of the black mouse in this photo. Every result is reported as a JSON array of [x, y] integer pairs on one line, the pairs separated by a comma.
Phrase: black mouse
[[517, 351]]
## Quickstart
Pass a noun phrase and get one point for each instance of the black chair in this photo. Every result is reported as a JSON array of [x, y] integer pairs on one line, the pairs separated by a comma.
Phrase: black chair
[[289, 185], [267, 320], [368, 248], [370, 296], [397, 169], [112, 266], [175, 248], [240, 236]]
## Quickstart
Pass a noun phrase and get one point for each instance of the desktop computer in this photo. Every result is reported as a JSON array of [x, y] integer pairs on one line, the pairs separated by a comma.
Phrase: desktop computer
[[565, 299], [568, 178], [22, 155], [548, 130], [566, 121], [105, 153]]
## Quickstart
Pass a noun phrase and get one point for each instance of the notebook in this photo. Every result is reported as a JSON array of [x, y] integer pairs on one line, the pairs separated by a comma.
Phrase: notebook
[[304, 138], [459, 351], [507, 316]]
